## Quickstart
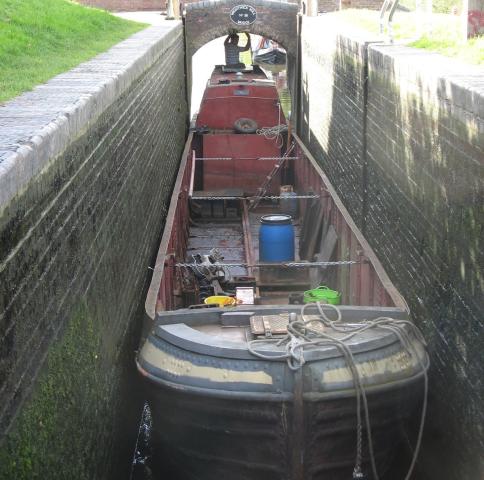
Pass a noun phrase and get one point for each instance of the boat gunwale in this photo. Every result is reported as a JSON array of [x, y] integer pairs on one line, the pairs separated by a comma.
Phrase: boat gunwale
[[190, 339], [392, 291], [157, 276], [282, 396]]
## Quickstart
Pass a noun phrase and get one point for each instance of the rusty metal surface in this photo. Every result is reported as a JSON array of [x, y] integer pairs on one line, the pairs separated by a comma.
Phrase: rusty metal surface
[[227, 238], [223, 104], [244, 171], [363, 284], [360, 284]]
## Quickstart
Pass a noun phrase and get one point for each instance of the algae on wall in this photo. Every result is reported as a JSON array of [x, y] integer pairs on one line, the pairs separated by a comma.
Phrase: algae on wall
[[410, 148], [55, 418], [75, 248]]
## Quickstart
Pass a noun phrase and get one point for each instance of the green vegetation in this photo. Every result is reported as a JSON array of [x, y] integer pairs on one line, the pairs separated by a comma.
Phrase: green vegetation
[[42, 38], [445, 6], [52, 432], [445, 36]]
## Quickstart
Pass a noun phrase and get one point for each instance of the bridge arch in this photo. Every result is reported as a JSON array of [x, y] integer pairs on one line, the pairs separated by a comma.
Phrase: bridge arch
[[210, 19]]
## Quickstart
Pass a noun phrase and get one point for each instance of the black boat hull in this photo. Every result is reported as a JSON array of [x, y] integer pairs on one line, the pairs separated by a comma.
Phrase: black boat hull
[[206, 438]]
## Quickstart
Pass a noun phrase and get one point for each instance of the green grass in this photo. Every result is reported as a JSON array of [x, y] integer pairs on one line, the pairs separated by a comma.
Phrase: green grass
[[445, 37], [42, 38]]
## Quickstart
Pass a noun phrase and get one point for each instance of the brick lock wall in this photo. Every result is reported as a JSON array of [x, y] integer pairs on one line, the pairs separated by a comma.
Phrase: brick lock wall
[[425, 196], [125, 5], [332, 114], [414, 183], [334, 5], [75, 250], [328, 5]]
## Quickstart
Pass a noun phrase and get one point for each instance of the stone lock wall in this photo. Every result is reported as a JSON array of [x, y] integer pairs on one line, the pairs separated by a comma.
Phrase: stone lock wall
[[400, 132], [87, 163], [334, 5], [126, 5], [426, 218], [332, 113]]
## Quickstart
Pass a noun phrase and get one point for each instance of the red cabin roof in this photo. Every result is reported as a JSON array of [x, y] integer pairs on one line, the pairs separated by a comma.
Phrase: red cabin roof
[[231, 95]]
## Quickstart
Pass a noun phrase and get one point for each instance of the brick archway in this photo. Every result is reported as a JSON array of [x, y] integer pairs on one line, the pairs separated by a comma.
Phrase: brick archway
[[207, 20]]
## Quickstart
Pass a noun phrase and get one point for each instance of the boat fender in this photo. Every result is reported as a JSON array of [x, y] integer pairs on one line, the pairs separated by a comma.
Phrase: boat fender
[[245, 125]]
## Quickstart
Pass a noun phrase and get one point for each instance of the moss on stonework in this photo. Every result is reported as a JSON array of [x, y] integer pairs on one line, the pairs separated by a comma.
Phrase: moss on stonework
[[52, 431]]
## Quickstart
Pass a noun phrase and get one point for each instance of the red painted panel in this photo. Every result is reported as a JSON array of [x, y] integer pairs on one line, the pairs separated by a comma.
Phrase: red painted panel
[[222, 106], [222, 113], [244, 170], [363, 287]]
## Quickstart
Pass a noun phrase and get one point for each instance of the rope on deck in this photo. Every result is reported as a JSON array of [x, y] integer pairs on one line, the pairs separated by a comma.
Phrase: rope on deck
[[300, 336]]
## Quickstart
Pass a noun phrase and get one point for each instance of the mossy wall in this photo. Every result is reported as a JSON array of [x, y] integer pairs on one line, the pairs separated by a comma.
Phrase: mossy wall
[[400, 133], [425, 144], [75, 249], [52, 422]]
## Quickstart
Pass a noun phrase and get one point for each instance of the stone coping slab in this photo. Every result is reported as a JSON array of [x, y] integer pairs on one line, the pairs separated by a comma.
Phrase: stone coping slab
[[39, 125], [454, 86], [459, 82]]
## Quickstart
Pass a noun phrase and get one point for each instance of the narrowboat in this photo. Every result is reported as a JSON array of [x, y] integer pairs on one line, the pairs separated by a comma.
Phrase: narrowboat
[[269, 52], [279, 348]]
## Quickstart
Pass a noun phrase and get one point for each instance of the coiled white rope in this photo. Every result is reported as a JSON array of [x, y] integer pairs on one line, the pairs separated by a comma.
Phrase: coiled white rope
[[273, 133], [301, 335]]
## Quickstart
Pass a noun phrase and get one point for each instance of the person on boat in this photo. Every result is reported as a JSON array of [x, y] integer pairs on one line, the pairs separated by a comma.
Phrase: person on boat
[[232, 50]]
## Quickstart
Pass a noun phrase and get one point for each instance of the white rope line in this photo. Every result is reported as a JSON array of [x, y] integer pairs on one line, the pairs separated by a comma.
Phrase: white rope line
[[273, 133], [300, 336], [267, 197], [274, 264]]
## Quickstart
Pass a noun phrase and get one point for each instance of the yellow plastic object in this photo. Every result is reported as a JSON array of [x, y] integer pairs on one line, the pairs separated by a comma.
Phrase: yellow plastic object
[[221, 300]]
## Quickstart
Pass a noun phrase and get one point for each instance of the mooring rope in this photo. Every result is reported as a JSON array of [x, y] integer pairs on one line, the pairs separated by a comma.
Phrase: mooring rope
[[301, 335], [273, 133]]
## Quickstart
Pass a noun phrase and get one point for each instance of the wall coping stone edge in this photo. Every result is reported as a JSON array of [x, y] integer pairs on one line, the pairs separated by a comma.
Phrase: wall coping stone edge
[[39, 125]]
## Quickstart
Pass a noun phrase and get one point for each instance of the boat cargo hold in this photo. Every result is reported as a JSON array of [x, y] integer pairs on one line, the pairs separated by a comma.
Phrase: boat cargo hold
[[279, 349]]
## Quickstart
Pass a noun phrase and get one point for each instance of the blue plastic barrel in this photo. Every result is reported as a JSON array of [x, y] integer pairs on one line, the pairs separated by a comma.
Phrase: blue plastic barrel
[[276, 238]]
